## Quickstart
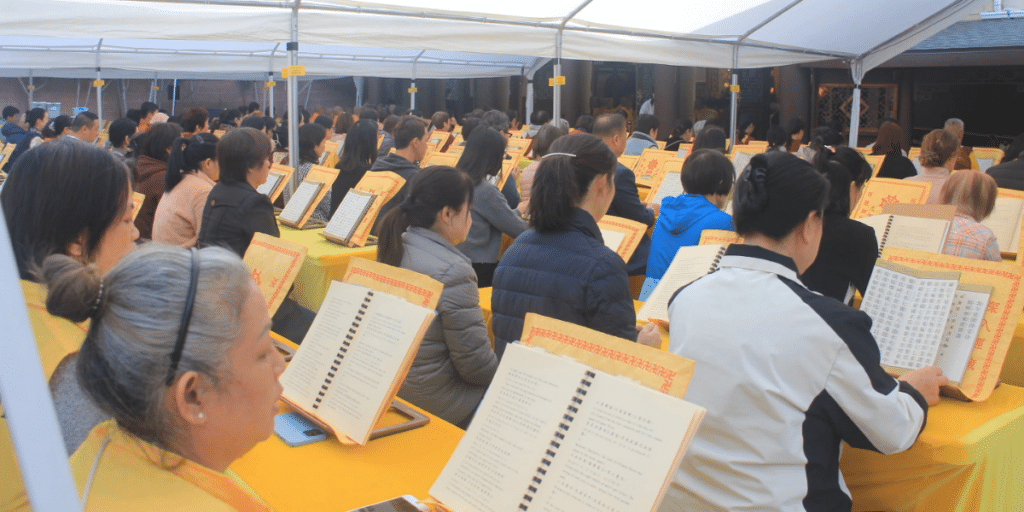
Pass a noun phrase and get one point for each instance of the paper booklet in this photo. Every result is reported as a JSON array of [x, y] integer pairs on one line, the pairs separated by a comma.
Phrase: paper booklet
[[879, 192], [629, 161], [683, 150], [348, 216], [303, 200], [137, 199], [876, 162], [988, 349], [915, 322], [649, 169], [275, 263], [507, 165], [1005, 220], [385, 185], [332, 152], [446, 159], [317, 173], [354, 358], [555, 434], [278, 157], [411, 286], [439, 140], [671, 185], [740, 159], [689, 263], [719, 236], [276, 181], [649, 366], [905, 232], [621, 235]]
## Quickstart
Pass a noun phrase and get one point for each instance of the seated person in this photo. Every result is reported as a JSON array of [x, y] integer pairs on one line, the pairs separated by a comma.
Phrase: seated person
[[357, 155], [785, 374], [974, 195], [938, 156], [711, 137], [707, 179], [186, 401], [154, 150], [72, 199], [191, 173], [644, 136], [455, 363], [312, 143], [681, 134], [560, 267], [889, 142], [848, 249], [410, 147], [1010, 171], [611, 129], [545, 136], [491, 214]]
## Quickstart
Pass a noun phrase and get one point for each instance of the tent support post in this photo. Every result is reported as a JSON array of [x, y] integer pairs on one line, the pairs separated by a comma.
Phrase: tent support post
[[528, 107], [412, 86], [309, 90], [734, 96], [31, 89], [270, 93], [358, 81], [858, 75], [557, 107], [293, 98], [174, 96], [99, 88]]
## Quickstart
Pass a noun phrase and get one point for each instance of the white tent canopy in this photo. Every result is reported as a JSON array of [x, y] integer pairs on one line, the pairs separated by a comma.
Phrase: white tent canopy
[[149, 58]]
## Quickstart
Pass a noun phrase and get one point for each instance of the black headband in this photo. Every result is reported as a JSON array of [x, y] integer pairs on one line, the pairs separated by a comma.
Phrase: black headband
[[186, 316]]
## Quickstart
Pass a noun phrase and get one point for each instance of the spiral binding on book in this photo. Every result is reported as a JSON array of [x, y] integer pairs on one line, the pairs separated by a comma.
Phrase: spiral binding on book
[[718, 259], [885, 235], [556, 442], [345, 345]]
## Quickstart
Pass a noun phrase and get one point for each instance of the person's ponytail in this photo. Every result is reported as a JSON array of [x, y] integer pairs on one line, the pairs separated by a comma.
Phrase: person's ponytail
[[176, 165], [389, 237], [554, 194]]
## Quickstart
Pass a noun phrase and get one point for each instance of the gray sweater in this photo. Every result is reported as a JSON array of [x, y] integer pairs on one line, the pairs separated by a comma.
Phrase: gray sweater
[[455, 363], [492, 216]]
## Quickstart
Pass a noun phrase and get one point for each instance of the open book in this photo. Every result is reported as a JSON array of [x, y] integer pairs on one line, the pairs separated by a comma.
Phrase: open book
[[629, 161], [433, 158], [924, 318], [989, 348], [332, 152], [347, 217], [384, 185], [276, 181], [879, 192], [275, 263], [309, 190], [689, 263], [671, 185], [915, 233], [354, 358], [1005, 219], [555, 434], [621, 235], [741, 157]]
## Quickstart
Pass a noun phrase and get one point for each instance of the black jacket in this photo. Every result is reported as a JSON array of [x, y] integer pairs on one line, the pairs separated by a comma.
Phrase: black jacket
[[846, 256], [400, 166], [626, 204], [233, 214], [569, 275], [1009, 175], [897, 166]]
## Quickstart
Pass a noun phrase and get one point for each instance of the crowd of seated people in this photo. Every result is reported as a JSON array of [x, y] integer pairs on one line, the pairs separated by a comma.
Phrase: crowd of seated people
[[149, 395]]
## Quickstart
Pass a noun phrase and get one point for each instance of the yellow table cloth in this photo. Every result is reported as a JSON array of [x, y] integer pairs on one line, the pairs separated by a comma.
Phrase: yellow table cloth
[[970, 457], [325, 262]]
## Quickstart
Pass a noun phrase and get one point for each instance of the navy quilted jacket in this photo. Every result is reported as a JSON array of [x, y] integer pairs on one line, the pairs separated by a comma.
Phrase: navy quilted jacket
[[569, 275]]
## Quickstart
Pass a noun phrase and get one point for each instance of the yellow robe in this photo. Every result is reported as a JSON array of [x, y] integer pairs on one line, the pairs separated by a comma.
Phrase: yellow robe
[[56, 338], [133, 475]]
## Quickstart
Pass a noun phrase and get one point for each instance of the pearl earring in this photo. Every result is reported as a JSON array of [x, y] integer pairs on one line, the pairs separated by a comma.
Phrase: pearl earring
[[201, 415]]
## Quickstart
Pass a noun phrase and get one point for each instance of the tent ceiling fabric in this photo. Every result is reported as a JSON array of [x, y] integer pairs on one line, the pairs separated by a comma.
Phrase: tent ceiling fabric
[[692, 33]]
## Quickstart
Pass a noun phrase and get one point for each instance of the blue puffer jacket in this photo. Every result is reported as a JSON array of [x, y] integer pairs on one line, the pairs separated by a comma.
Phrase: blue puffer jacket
[[569, 275], [680, 222]]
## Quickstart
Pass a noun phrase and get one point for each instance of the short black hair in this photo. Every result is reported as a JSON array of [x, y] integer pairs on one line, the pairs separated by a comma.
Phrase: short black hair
[[10, 110], [148, 108], [254, 122], [408, 129], [647, 122], [157, 140], [468, 125], [121, 130], [239, 150], [707, 172], [194, 118], [368, 113], [254, 107], [82, 120], [777, 137], [540, 117], [325, 121], [585, 122], [711, 137]]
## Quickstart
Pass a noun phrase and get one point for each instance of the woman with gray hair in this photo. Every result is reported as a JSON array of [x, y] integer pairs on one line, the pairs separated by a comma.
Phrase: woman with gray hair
[[179, 353]]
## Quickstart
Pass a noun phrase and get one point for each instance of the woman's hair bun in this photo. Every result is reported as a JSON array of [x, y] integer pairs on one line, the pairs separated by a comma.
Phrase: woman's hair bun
[[75, 291], [754, 195]]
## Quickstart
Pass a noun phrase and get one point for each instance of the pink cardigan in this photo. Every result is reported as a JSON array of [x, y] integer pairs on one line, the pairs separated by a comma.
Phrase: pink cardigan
[[180, 212]]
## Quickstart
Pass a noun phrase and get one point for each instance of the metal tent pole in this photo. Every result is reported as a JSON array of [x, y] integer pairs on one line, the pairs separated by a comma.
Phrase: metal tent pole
[[174, 96], [31, 89], [99, 85], [734, 96], [293, 97], [858, 75]]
